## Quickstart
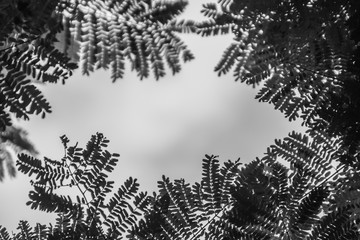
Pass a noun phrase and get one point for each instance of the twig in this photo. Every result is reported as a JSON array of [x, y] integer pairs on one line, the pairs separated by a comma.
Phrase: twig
[[82, 193], [203, 227], [324, 181]]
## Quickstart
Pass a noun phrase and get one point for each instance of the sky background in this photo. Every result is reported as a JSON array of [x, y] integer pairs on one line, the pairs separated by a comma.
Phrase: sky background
[[157, 127]]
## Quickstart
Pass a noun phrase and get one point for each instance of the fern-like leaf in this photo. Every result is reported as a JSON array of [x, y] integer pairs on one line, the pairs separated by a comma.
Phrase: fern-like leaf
[[4, 234], [140, 31], [88, 214], [25, 230]]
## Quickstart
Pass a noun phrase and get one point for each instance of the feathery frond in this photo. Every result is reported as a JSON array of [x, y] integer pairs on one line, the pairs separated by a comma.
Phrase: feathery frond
[[91, 212], [142, 32], [262, 200]]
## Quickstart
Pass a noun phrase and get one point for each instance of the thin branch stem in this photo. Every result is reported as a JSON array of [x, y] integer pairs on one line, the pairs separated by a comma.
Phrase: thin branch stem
[[324, 181], [208, 222], [82, 193]]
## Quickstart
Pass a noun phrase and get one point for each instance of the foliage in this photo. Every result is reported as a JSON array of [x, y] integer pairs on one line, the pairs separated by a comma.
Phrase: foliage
[[92, 213], [27, 36], [13, 141], [27, 57], [310, 199], [182, 210], [305, 54], [108, 32], [262, 200], [143, 32], [307, 67]]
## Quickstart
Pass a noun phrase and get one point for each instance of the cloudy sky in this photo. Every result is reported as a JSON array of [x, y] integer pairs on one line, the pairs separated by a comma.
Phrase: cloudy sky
[[158, 127]]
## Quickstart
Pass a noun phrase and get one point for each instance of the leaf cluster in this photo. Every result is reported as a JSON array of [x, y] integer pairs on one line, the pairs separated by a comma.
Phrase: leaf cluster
[[141, 32], [306, 66], [181, 211], [304, 54], [108, 32], [310, 199], [93, 212], [264, 199], [27, 55]]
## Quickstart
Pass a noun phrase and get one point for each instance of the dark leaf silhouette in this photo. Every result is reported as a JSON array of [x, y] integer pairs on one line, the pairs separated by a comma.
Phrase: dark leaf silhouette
[[303, 54], [91, 213]]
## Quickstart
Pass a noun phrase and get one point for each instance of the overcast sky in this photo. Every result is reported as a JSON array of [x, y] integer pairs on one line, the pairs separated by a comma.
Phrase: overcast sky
[[157, 127]]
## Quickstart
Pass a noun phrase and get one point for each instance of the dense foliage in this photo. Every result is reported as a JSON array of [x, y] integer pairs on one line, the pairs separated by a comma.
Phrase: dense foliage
[[263, 199], [141, 32], [303, 54], [310, 199], [27, 36], [91, 211]]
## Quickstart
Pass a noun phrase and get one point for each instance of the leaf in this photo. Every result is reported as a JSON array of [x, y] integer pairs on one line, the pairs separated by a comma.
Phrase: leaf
[[4, 234]]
